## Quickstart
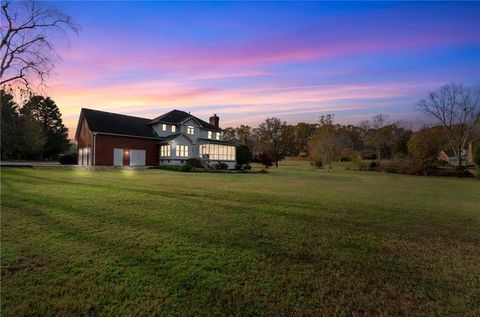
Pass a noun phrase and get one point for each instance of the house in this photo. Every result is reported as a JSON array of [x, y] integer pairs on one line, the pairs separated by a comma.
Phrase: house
[[111, 139], [449, 156]]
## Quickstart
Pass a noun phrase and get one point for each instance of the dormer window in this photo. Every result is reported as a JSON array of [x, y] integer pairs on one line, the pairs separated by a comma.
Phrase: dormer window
[[217, 135], [164, 127], [190, 130], [174, 128], [209, 134]]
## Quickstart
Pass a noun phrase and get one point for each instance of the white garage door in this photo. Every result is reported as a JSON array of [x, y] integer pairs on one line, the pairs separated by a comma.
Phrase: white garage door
[[137, 157], [117, 157]]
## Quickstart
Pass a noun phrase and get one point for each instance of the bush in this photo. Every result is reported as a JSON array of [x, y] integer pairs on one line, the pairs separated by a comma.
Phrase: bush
[[194, 163], [223, 166], [176, 168], [68, 159], [317, 164], [400, 166], [362, 166], [247, 167], [265, 159], [243, 154]]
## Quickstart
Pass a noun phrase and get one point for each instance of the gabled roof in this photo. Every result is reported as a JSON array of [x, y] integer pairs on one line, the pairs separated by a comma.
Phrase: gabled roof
[[178, 116], [119, 124]]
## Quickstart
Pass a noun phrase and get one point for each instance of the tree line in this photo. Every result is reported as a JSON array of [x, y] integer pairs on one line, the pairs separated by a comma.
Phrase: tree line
[[33, 130], [455, 111]]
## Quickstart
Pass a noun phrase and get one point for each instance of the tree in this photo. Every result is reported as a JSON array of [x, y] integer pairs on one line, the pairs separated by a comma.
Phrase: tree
[[243, 154], [229, 134], [476, 152], [243, 133], [26, 50], [46, 113], [269, 135], [424, 147], [265, 159], [303, 133], [10, 125], [457, 109], [327, 143]]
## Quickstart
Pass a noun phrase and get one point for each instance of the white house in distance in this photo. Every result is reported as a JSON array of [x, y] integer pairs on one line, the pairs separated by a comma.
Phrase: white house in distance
[[106, 138]]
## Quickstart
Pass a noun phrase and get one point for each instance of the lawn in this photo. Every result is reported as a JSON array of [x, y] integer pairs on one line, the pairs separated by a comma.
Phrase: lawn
[[293, 242]]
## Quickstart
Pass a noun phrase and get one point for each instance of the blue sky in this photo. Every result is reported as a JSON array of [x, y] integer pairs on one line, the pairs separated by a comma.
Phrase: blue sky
[[247, 61]]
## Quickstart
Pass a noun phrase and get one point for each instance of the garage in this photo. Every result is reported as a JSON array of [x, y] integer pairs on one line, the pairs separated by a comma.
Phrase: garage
[[137, 157]]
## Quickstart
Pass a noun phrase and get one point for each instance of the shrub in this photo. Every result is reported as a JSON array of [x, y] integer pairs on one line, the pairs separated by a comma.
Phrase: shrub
[[243, 154], [317, 163], [265, 159], [247, 167], [68, 159], [194, 162], [176, 168], [362, 166], [400, 166], [223, 166]]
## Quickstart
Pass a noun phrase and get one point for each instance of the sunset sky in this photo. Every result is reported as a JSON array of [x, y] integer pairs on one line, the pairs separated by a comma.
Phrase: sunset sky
[[249, 61]]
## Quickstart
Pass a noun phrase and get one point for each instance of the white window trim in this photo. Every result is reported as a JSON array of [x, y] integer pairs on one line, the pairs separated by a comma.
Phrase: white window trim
[[164, 127], [190, 129], [209, 134], [174, 128], [217, 135]]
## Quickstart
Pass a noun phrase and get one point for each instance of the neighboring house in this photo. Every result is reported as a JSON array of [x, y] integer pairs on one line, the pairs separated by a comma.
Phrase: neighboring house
[[449, 157], [112, 139]]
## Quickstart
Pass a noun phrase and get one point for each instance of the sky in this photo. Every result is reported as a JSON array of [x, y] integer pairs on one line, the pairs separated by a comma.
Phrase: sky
[[246, 61]]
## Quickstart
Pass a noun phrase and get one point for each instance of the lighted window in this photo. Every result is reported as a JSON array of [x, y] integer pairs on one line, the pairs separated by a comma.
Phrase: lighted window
[[174, 128], [209, 134], [218, 152], [217, 135], [190, 130], [164, 127], [165, 150], [182, 150]]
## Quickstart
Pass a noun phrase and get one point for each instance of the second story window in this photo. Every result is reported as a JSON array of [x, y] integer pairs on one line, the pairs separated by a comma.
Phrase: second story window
[[217, 135], [190, 130], [209, 134], [164, 127], [174, 128]]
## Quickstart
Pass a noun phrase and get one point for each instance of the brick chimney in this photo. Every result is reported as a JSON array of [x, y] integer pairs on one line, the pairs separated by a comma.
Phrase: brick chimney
[[215, 120]]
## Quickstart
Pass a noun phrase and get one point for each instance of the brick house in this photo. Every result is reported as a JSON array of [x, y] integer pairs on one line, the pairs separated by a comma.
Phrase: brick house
[[111, 139]]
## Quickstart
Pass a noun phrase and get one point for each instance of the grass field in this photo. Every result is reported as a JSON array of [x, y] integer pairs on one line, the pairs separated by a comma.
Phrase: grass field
[[293, 242]]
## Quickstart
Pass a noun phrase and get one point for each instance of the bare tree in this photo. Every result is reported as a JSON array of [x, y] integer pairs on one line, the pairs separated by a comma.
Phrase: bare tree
[[28, 30], [457, 109]]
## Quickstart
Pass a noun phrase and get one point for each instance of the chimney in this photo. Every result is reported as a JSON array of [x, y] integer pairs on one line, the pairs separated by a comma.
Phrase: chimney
[[215, 120]]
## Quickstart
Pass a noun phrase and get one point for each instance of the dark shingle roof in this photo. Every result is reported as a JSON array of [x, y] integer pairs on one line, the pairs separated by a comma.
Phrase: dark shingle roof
[[113, 123], [177, 116]]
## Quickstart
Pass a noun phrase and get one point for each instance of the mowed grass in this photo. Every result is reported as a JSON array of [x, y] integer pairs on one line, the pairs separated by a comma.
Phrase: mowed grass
[[293, 242]]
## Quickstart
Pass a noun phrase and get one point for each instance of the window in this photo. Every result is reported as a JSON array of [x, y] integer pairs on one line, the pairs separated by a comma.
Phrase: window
[[209, 134], [164, 127], [190, 130], [182, 150], [218, 152], [217, 135], [174, 128], [165, 150]]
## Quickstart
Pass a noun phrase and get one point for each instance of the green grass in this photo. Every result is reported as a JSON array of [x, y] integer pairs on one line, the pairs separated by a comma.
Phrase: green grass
[[293, 242]]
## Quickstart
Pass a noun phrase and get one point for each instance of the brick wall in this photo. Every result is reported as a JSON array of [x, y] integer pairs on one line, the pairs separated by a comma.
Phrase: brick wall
[[104, 145]]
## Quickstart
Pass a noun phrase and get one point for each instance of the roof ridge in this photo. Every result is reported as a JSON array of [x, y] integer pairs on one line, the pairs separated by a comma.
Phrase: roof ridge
[[116, 113]]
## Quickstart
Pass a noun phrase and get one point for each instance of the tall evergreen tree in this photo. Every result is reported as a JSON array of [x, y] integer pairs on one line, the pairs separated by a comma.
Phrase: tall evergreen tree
[[44, 111], [10, 128]]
